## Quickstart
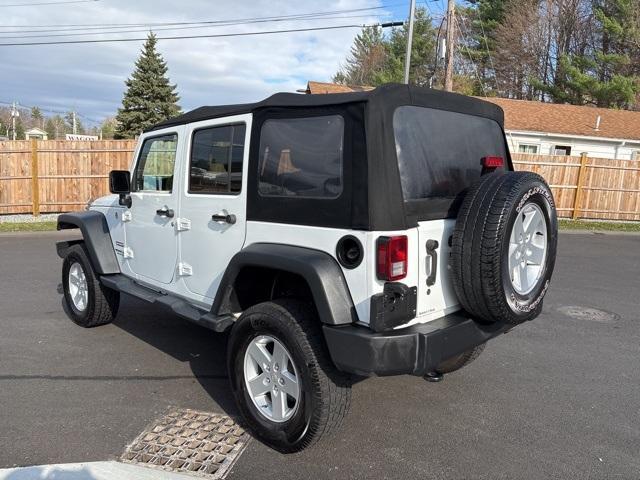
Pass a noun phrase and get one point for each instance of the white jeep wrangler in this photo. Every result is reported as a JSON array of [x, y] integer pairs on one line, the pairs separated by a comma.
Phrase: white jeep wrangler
[[336, 237]]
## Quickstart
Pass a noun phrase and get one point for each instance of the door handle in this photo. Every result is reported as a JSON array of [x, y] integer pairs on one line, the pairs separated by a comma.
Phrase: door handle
[[165, 212], [432, 246], [222, 217]]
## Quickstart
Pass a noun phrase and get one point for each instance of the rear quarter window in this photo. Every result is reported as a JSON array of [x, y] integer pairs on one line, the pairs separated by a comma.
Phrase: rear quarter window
[[440, 152], [301, 157]]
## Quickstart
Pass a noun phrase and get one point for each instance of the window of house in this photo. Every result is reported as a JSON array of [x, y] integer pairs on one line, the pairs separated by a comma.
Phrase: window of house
[[216, 160], [562, 150], [527, 148], [301, 157], [157, 159], [635, 155]]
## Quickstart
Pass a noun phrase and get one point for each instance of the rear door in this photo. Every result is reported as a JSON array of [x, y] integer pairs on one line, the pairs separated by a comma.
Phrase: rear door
[[212, 221]]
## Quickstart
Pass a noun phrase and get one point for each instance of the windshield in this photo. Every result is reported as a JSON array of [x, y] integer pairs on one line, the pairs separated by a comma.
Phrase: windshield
[[440, 152]]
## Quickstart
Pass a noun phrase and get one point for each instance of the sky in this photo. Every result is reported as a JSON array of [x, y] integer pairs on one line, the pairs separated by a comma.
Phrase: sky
[[89, 78]]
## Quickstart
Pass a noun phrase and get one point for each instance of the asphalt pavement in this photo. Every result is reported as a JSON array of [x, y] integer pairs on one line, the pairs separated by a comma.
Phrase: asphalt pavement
[[558, 397]]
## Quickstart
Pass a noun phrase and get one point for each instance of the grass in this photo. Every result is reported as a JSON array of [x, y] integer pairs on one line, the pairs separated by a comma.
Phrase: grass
[[563, 223], [27, 227], [594, 225]]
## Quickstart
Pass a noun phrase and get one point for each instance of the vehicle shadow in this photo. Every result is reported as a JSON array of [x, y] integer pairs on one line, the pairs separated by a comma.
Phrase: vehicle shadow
[[203, 349]]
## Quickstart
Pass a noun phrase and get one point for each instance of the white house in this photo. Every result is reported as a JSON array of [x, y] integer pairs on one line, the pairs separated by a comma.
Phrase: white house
[[36, 133], [553, 129]]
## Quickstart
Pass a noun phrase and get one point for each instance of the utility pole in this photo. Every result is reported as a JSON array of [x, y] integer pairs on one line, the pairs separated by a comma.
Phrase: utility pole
[[407, 59], [451, 35], [14, 114], [75, 129]]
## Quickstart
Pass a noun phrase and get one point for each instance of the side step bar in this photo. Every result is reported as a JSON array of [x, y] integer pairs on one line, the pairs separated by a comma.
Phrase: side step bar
[[180, 307]]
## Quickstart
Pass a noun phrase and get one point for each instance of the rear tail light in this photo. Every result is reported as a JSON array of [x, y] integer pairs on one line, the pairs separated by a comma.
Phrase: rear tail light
[[392, 256], [492, 162]]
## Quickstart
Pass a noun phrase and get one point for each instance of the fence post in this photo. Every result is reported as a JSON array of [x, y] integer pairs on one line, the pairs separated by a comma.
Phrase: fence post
[[35, 184], [581, 175]]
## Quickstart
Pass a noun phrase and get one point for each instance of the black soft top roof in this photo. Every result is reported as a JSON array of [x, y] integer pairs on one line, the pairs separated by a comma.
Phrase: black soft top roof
[[386, 96]]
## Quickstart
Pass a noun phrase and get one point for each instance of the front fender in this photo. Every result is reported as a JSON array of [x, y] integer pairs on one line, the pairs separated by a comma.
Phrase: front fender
[[97, 239], [321, 271]]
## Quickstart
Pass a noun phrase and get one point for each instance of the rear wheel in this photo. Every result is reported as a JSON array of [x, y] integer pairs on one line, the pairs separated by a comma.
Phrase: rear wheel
[[284, 382], [88, 302]]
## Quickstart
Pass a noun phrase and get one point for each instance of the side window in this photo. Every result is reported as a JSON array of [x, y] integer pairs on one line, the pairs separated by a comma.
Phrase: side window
[[216, 160], [154, 172], [301, 157]]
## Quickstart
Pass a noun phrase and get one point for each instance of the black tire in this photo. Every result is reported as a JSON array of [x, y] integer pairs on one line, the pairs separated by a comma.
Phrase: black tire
[[480, 247], [103, 303], [326, 393], [462, 360]]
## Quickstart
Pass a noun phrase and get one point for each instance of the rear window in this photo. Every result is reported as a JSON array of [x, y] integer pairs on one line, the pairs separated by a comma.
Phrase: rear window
[[301, 157], [440, 152]]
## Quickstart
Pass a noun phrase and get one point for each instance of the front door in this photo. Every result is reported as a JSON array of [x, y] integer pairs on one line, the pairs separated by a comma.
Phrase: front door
[[213, 209], [151, 239]]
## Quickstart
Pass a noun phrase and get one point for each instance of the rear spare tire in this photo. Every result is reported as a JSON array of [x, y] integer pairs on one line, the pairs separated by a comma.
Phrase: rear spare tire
[[504, 247]]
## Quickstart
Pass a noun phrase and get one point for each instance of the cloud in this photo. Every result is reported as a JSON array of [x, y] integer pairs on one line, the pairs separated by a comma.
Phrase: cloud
[[90, 77]]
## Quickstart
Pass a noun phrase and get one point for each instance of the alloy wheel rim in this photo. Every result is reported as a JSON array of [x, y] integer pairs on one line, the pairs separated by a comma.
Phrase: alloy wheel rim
[[78, 288], [528, 245], [271, 378]]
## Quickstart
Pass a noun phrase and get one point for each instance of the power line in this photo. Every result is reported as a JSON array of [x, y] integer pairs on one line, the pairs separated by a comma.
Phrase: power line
[[337, 17], [156, 24], [475, 66], [47, 3], [186, 37]]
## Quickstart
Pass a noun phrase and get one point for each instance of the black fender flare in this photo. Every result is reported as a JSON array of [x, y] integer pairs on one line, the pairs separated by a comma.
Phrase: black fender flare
[[320, 270], [97, 239]]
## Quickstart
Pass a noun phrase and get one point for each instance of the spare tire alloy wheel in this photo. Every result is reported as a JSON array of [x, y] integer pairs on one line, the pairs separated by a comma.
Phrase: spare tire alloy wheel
[[504, 247], [527, 248]]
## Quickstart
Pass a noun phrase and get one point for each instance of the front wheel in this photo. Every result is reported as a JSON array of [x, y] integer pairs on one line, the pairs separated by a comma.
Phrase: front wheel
[[88, 302], [283, 380]]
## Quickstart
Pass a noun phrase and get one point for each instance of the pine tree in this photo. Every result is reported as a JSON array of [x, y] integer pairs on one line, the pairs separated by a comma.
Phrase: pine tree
[[366, 60], [606, 74], [376, 59], [150, 97]]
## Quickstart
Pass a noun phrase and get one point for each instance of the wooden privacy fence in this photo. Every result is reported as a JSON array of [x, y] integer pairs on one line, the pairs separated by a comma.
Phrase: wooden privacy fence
[[586, 187], [59, 175]]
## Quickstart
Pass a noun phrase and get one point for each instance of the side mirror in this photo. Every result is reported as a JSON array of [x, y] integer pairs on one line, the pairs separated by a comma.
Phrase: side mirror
[[120, 183]]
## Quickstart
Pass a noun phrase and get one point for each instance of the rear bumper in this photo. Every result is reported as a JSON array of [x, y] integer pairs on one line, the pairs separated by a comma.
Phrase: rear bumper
[[415, 350]]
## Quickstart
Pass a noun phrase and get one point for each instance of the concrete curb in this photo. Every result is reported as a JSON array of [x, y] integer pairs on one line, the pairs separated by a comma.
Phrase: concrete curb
[[598, 232], [89, 471]]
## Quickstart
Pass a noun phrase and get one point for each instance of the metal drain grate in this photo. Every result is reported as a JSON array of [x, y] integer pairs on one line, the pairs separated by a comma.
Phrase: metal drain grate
[[188, 441]]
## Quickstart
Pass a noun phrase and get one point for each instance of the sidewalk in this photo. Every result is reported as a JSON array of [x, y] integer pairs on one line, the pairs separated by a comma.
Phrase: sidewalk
[[89, 471]]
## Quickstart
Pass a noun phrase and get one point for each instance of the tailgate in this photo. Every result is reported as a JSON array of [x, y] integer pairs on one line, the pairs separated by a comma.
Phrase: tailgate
[[436, 297]]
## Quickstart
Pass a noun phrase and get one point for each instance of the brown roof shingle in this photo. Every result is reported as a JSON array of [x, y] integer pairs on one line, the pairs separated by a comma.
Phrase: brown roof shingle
[[524, 115], [321, 87]]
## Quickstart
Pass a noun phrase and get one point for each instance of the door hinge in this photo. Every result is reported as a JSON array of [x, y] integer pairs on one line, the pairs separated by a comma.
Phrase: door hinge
[[184, 269], [127, 252], [127, 216], [183, 224]]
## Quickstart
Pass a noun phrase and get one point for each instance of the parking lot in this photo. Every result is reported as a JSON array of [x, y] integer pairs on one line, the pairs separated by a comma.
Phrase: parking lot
[[556, 398]]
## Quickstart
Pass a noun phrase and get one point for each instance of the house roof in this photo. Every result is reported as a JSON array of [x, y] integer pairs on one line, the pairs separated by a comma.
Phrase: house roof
[[322, 87], [524, 115], [36, 130]]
